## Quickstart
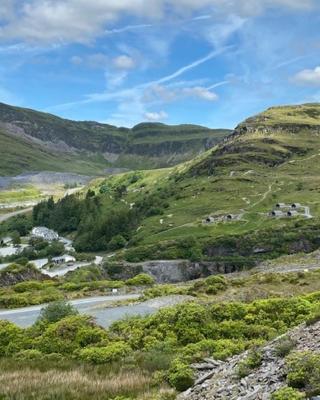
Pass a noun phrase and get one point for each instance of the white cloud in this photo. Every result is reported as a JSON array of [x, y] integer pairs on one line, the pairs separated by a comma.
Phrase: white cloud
[[201, 93], [164, 94], [123, 62], [155, 116], [63, 21], [127, 28], [309, 77], [6, 9]]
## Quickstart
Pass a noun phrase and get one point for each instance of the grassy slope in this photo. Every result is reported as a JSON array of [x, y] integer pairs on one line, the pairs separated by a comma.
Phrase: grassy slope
[[19, 156], [246, 176], [146, 145]]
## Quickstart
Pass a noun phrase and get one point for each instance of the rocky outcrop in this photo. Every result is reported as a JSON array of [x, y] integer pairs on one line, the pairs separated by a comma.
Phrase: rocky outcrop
[[171, 271], [219, 380], [12, 276]]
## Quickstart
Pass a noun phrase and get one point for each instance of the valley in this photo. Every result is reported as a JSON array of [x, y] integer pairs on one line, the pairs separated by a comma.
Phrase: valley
[[164, 279]]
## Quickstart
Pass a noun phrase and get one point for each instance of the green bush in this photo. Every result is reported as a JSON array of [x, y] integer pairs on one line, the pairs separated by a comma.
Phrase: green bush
[[253, 360], [287, 394], [303, 371], [180, 375], [140, 280], [11, 338], [70, 335], [29, 286], [56, 311], [30, 354], [101, 355], [117, 242], [284, 346]]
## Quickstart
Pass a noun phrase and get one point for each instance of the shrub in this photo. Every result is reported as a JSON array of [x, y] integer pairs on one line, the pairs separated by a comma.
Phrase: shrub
[[117, 242], [284, 346], [287, 394], [252, 361], [30, 354], [303, 371], [56, 311], [140, 280], [69, 335], [11, 337], [101, 355], [180, 375], [29, 286]]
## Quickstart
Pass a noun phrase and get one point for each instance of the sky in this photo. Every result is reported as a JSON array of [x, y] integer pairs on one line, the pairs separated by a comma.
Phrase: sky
[[121, 62]]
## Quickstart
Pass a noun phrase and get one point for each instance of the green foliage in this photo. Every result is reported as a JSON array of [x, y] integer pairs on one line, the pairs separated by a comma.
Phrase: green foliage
[[180, 375], [284, 346], [287, 393], [69, 335], [303, 371], [117, 242], [211, 285], [140, 280], [103, 355], [56, 311], [252, 361], [10, 337]]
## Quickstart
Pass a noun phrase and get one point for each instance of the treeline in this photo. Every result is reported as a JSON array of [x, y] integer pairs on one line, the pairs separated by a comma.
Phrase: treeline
[[95, 226], [99, 227]]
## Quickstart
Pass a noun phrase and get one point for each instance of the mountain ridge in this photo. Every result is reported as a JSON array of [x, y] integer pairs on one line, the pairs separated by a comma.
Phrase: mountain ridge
[[146, 145]]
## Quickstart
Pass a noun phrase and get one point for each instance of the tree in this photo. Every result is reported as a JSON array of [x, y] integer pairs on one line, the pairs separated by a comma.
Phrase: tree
[[117, 242], [56, 311], [16, 240]]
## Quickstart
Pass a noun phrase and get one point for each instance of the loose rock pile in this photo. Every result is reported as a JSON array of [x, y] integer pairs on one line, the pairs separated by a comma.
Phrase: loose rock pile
[[218, 380]]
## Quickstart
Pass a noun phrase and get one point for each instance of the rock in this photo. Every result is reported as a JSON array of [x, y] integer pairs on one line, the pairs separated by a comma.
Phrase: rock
[[222, 383]]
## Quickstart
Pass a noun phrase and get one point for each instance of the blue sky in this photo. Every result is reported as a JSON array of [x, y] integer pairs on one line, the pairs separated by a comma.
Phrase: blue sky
[[209, 62]]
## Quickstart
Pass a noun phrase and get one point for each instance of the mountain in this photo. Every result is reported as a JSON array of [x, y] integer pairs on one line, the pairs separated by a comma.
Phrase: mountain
[[217, 206], [32, 140]]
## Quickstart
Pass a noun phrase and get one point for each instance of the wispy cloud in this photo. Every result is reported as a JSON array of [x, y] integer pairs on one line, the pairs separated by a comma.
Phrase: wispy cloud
[[127, 28], [137, 90]]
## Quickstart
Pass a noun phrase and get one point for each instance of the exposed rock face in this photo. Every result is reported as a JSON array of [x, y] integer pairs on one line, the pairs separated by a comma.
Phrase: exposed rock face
[[220, 381], [9, 278], [173, 271]]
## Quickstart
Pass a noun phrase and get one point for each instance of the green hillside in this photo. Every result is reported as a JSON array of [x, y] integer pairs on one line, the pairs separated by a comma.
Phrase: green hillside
[[18, 155], [39, 140], [259, 166]]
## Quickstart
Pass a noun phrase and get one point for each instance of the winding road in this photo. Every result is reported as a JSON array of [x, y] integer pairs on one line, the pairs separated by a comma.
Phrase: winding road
[[98, 307], [4, 217]]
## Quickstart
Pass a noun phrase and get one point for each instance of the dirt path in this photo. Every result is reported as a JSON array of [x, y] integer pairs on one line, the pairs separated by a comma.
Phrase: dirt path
[[264, 196]]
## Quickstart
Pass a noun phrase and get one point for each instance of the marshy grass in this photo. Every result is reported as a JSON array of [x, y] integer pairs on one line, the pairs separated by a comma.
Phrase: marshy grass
[[29, 384]]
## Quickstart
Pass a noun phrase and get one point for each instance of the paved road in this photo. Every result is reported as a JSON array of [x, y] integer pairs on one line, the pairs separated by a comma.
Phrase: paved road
[[4, 217], [96, 307]]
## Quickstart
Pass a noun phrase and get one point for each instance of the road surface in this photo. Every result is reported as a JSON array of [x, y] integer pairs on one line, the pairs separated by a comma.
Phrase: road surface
[[6, 216], [96, 307]]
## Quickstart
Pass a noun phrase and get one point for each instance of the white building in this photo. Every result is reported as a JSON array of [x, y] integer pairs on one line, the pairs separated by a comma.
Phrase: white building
[[44, 233], [65, 259]]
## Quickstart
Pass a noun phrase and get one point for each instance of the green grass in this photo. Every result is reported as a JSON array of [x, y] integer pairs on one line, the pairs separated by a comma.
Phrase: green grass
[[17, 156], [284, 167], [18, 195], [144, 146]]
